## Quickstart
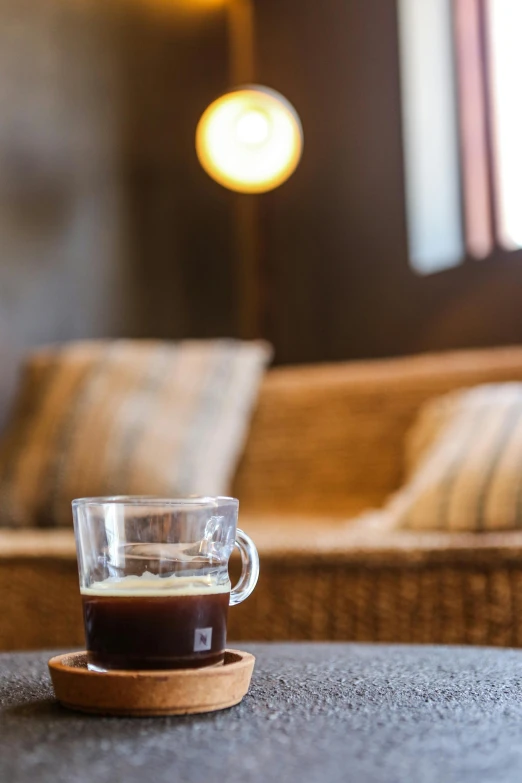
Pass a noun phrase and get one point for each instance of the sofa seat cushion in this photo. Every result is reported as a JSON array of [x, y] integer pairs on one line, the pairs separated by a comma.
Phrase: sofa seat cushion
[[320, 579]]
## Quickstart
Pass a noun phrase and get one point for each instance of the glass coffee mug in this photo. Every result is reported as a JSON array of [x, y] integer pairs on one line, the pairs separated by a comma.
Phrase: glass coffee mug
[[154, 579]]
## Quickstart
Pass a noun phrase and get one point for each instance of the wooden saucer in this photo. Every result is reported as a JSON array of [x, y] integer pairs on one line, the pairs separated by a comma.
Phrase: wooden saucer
[[148, 693]]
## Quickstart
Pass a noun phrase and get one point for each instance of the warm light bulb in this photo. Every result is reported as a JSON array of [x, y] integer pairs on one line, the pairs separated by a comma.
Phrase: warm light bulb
[[253, 127], [250, 140]]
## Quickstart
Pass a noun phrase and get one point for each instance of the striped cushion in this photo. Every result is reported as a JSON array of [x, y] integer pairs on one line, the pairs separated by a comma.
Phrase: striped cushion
[[126, 417], [464, 459]]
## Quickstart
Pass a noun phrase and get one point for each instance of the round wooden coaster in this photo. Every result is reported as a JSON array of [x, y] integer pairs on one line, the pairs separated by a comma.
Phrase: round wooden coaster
[[148, 693]]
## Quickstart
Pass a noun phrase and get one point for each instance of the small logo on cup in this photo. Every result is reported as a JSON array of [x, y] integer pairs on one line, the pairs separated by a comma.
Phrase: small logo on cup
[[202, 639]]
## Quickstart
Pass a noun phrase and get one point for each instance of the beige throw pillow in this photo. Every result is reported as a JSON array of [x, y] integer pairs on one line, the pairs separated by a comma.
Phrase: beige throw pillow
[[126, 417], [464, 462]]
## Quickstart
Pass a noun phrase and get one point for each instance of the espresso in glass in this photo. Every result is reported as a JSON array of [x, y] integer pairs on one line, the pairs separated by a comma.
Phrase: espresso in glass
[[152, 622], [154, 579]]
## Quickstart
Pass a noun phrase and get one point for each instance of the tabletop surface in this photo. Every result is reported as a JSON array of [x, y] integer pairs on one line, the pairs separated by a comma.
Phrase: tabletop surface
[[315, 712]]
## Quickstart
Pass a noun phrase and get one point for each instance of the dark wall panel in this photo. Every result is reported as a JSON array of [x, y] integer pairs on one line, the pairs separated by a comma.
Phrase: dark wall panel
[[335, 247], [180, 228]]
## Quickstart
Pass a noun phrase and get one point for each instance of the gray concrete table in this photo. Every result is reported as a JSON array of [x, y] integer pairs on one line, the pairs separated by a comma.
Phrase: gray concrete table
[[326, 713]]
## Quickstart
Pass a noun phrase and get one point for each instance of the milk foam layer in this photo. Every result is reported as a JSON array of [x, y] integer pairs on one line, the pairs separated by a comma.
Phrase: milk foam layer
[[152, 585]]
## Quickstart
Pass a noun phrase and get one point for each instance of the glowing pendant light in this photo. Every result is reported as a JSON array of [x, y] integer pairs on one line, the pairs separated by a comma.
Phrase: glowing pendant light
[[250, 139]]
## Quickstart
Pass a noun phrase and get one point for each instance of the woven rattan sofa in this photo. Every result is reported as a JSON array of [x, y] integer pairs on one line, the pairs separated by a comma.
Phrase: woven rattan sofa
[[325, 443]]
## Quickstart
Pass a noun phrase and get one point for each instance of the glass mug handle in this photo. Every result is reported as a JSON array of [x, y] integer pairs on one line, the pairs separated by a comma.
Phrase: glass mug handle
[[249, 570]]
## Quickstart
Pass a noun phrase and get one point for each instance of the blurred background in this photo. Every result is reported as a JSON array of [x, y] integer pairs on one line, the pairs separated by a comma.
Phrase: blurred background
[[398, 231], [110, 227]]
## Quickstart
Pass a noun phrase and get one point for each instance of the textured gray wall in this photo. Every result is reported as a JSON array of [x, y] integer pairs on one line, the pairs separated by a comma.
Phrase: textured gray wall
[[106, 222], [62, 237]]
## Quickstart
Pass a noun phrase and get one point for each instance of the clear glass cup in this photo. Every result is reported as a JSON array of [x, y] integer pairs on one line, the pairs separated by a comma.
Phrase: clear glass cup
[[154, 579]]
